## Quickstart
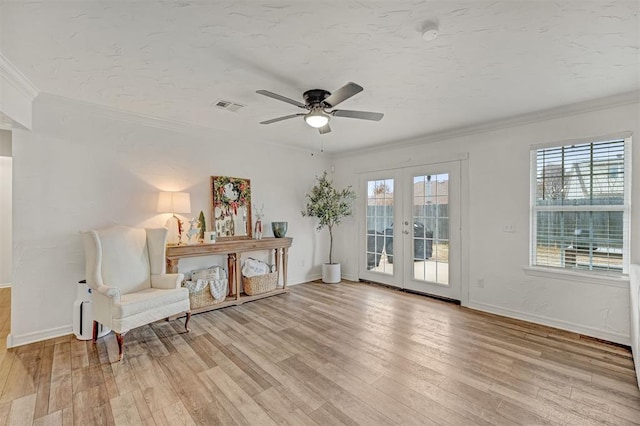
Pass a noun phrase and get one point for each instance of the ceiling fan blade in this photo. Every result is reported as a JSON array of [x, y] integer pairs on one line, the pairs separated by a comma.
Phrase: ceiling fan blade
[[286, 117], [281, 98], [343, 93], [324, 129], [363, 115]]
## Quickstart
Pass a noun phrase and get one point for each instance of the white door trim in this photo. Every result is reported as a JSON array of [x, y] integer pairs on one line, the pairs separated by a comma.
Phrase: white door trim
[[394, 279], [464, 215]]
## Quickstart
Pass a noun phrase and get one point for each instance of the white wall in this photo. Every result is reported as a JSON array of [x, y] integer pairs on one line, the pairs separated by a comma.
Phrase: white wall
[[499, 195], [5, 207], [78, 170]]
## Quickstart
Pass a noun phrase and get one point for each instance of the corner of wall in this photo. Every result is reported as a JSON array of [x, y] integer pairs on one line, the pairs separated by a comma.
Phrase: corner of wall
[[17, 92]]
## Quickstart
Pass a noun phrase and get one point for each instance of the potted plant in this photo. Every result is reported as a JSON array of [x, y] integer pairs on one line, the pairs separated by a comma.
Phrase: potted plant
[[330, 206]]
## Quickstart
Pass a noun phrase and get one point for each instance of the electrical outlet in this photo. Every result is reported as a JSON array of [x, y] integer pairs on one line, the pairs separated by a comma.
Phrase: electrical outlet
[[481, 283], [510, 228]]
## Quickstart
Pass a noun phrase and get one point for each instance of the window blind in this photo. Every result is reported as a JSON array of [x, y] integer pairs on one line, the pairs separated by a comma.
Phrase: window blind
[[580, 211]]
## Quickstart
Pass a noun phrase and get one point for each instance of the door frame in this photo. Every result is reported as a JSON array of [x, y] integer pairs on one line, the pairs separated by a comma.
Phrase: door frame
[[396, 168], [363, 273], [453, 289]]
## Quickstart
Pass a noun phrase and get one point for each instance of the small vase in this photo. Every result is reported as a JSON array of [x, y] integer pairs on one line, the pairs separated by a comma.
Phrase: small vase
[[279, 229], [258, 230]]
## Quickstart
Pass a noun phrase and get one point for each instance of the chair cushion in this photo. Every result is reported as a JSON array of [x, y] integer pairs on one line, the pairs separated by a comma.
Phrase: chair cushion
[[148, 300], [125, 259]]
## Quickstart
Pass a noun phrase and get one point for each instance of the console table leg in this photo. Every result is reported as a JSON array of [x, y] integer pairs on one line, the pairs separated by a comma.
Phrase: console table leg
[[231, 266], [238, 279], [285, 260], [278, 267]]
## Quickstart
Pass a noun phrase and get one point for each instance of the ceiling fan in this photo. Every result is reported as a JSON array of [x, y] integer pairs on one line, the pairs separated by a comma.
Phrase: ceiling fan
[[318, 102]]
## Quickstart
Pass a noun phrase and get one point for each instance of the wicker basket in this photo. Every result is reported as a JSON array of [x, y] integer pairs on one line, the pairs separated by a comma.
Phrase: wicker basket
[[260, 283], [203, 297]]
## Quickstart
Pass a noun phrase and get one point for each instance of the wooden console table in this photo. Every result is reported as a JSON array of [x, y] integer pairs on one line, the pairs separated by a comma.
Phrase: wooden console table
[[233, 250]]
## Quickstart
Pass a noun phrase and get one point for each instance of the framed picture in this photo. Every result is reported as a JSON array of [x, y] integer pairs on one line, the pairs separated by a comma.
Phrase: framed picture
[[231, 210]]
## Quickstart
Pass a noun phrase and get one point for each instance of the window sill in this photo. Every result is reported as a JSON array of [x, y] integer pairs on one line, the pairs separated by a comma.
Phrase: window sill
[[621, 280]]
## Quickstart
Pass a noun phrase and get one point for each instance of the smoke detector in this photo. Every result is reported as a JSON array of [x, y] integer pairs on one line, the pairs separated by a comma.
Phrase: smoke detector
[[430, 31]]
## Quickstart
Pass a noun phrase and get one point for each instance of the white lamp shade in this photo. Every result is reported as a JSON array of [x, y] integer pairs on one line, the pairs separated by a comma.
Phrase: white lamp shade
[[174, 202]]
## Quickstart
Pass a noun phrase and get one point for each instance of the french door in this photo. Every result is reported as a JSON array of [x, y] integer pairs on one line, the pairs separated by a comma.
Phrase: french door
[[412, 229]]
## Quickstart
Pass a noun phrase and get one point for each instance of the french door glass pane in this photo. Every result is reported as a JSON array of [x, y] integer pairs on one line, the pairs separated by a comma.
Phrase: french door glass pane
[[380, 226], [430, 248]]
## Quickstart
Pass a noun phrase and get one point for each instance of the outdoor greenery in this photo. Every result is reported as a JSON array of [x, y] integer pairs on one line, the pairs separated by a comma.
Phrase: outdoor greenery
[[329, 205]]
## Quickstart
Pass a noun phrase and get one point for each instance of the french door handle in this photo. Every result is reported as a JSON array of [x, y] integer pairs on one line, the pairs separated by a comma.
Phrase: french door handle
[[405, 232]]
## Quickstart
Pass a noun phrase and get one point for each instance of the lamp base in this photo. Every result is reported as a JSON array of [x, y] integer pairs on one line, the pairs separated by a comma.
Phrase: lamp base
[[172, 236]]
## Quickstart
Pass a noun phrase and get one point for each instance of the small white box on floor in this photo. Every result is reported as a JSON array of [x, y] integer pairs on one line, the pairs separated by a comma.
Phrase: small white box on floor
[[83, 315]]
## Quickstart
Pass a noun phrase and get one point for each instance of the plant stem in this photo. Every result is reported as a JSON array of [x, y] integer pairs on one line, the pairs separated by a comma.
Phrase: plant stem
[[330, 243]]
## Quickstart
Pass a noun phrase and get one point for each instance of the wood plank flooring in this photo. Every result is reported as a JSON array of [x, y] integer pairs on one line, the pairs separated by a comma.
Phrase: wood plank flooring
[[5, 317], [345, 354]]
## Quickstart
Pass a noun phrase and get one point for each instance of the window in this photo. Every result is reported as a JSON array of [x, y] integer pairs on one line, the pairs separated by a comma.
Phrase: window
[[580, 206]]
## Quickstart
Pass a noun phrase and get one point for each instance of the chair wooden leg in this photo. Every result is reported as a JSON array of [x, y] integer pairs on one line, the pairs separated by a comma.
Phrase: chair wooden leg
[[120, 339], [95, 332], [186, 322]]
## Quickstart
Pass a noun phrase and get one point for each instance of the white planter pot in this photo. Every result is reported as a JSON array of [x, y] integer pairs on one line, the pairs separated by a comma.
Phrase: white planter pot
[[331, 273]]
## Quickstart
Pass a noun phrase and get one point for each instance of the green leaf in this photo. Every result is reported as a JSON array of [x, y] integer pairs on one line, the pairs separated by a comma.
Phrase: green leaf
[[329, 205]]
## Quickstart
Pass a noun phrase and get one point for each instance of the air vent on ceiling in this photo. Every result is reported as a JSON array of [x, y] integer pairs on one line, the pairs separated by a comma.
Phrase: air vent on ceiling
[[228, 105]]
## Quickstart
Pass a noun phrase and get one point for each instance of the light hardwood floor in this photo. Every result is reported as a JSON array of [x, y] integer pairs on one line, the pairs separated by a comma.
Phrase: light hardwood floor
[[325, 354]]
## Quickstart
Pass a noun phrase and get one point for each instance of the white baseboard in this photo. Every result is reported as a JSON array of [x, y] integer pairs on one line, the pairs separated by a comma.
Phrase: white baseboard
[[5, 285], [350, 277], [552, 322], [305, 279], [37, 336]]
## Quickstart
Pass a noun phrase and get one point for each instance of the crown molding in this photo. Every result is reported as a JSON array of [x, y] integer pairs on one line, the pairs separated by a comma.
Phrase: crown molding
[[5, 122], [11, 74], [137, 118], [612, 101], [103, 111]]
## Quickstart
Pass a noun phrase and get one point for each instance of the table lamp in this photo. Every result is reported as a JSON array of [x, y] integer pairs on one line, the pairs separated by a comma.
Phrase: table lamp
[[174, 202]]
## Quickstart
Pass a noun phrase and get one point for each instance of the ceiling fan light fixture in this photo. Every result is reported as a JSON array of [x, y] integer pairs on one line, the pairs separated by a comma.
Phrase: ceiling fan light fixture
[[316, 118]]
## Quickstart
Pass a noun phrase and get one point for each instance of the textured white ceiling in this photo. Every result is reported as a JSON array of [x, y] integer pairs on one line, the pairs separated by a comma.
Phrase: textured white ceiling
[[175, 59]]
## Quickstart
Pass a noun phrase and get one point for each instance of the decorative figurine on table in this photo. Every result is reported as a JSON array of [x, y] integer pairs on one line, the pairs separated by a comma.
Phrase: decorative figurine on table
[[259, 215], [202, 226], [193, 231], [180, 229]]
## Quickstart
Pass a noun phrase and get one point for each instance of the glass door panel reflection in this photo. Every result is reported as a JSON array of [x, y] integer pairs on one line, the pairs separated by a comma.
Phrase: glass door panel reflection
[[379, 233], [430, 248]]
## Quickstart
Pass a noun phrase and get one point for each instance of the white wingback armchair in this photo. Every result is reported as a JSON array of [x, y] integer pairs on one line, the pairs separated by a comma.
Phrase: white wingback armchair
[[125, 268]]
